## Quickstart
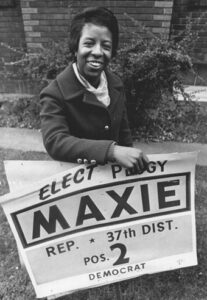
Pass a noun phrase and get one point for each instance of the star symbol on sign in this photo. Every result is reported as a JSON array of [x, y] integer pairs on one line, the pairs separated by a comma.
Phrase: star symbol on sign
[[92, 241]]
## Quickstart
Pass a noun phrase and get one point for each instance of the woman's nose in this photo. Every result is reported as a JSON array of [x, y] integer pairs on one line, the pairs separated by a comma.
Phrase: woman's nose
[[97, 50]]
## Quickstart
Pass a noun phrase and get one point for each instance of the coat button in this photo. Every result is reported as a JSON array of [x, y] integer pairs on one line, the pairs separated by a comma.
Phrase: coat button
[[93, 161], [79, 161], [106, 127]]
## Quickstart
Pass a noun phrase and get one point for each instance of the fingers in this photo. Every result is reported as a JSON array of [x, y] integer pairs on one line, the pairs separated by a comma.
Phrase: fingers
[[145, 159], [130, 157], [141, 162], [140, 165]]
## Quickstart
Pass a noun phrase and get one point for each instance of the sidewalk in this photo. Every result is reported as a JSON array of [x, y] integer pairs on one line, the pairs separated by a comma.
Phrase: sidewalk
[[21, 139], [31, 140]]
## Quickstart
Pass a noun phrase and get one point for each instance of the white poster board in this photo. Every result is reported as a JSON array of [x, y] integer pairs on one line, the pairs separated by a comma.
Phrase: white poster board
[[94, 225]]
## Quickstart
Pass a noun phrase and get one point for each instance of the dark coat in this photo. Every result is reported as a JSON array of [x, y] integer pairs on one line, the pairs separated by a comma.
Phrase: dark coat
[[75, 125]]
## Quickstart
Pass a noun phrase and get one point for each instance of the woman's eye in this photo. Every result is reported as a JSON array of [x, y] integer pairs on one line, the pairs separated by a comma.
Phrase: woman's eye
[[88, 44], [107, 47]]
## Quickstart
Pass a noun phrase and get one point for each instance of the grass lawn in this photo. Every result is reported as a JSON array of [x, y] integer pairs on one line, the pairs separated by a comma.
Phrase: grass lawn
[[184, 284]]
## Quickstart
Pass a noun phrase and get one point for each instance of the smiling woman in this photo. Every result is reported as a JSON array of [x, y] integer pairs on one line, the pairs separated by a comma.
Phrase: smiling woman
[[94, 52], [83, 112]]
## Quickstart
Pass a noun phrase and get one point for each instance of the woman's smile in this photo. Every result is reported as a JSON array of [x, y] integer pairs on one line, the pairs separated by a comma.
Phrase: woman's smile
[[95, 64]]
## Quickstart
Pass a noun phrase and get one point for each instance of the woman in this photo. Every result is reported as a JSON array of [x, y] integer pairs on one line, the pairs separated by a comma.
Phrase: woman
[[83, 112]]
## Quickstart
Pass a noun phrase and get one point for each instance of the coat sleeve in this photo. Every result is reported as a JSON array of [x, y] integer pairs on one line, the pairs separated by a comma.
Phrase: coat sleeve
[[125, 137], [59, 142]]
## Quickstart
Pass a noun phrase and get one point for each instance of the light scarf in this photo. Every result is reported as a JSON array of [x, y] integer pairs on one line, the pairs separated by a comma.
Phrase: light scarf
[[101, 92]]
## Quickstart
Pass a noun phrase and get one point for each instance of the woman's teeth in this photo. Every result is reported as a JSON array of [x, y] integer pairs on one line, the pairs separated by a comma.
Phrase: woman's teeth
[[95, 64]]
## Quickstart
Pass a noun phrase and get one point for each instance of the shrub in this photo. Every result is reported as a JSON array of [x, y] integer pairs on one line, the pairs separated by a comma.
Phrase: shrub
[[41, 66], [22, 112], [152, 72]]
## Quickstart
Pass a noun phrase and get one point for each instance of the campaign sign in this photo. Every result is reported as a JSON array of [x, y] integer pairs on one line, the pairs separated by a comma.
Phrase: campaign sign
[[94, 225]]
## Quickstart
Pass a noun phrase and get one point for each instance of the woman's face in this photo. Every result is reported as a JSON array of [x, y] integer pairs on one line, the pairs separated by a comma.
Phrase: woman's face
[[94, 52]]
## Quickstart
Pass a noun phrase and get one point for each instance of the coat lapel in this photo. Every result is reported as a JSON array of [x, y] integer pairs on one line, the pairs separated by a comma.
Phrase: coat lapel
[[69, 85], [90, 98], [115, 86], [71, 88]]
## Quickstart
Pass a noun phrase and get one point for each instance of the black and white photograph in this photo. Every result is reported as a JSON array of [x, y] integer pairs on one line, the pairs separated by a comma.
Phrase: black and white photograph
[[103, 150]]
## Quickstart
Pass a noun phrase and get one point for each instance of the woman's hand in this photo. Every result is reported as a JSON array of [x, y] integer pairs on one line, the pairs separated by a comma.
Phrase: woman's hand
[[129, 157]]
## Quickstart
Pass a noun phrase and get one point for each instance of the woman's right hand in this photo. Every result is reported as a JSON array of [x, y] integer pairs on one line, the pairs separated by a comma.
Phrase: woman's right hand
[[129, 157]]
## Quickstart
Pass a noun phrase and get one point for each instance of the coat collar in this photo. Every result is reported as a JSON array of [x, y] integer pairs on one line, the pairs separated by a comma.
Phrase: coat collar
[[71, 88]]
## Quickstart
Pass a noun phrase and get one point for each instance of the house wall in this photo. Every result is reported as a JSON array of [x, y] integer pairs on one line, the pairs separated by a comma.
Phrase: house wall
[[193, 13], [34, 23], [11, 28], [48, 19], [45, 21]]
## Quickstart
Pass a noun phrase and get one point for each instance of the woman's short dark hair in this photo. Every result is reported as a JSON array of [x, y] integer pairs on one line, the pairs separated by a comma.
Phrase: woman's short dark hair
[[98, 16]]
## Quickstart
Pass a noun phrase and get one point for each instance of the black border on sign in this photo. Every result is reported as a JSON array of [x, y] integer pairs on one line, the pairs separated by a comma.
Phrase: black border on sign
[[26, 245]]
